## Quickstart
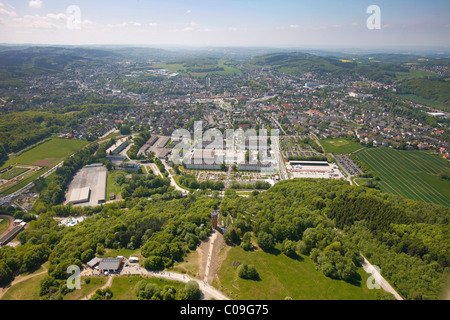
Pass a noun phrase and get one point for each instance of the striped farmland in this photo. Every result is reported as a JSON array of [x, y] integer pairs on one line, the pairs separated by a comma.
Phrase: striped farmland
[[408, 173]]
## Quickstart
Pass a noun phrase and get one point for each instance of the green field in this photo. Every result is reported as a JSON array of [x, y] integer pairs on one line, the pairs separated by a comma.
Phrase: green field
[[283, 277], [340, 146], [412, 174], [86, 288], [48, 153], [14, 172], [111, 184], [4, 225], [413, 74], [123, 287], [180, 67]]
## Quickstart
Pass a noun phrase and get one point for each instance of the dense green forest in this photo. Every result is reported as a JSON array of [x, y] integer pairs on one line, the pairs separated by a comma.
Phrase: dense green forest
[[437, 90], [14, 136], [329, 221]]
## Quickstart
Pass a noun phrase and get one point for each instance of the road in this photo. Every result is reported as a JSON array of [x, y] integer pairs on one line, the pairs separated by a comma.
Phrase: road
[[208, 291], [281, 166], [172, 180], [383, 283]]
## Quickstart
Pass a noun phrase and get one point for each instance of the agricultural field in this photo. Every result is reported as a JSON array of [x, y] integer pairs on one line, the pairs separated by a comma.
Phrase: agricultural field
[[340, 146], [412, 174], [281, 277], [48, 153]]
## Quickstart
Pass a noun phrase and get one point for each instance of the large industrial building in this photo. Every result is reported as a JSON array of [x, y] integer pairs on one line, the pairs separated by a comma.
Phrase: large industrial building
[[314, 169], [88, 187], [80, 195], [118, 147]]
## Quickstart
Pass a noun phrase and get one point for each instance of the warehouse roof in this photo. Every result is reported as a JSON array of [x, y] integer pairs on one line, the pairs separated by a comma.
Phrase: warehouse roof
[[92, 263], [110, 264]]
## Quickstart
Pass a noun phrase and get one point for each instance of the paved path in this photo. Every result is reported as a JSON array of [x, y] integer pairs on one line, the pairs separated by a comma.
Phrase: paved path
[[172, 180], [208, 291], [384, 284]]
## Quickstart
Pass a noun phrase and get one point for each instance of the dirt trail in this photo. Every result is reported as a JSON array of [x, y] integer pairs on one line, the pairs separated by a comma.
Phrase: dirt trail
[[21, 279], [107, 284]]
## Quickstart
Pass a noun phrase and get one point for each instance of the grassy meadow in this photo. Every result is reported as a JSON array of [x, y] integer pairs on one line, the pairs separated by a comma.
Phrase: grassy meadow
[[340, 146], [281, 277], [48, 153]]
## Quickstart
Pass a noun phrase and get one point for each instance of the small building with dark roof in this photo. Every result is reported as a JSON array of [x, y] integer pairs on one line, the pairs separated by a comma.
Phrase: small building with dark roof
[[111, 265], [93, 263]]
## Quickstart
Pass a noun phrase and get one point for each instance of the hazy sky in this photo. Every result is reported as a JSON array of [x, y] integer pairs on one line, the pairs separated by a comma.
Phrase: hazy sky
[[225, 23]]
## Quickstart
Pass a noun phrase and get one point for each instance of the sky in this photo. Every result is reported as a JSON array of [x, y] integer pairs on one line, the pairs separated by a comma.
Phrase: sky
[[280, 23]]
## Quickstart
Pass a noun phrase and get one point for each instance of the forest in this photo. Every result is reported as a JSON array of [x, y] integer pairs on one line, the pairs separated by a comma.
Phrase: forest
[[329, 221], [437, 90]]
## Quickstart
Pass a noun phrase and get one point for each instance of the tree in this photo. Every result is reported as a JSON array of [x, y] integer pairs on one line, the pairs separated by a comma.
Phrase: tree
[[265, 241], [192, 291], [6, 275], [125, 130], [153, 263], [87, 255], [288, 248], [247, 272], [231, 236]]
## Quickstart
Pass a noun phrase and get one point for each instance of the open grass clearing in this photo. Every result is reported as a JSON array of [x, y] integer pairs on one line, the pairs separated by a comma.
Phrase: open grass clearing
[[48, 153], [283, 277], [340, 146]]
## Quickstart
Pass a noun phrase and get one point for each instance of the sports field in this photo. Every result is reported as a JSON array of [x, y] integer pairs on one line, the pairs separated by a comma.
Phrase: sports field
[[340, 146], [48, 153], [412, 174]]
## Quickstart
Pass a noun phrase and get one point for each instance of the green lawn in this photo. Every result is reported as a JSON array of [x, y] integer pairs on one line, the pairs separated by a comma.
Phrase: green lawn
[[111, 184], [123, 287], [413, 74], [340, 146], [86, 288], [283, 277], [412, 174], [25, 290], [48, 153], [4, 224]]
